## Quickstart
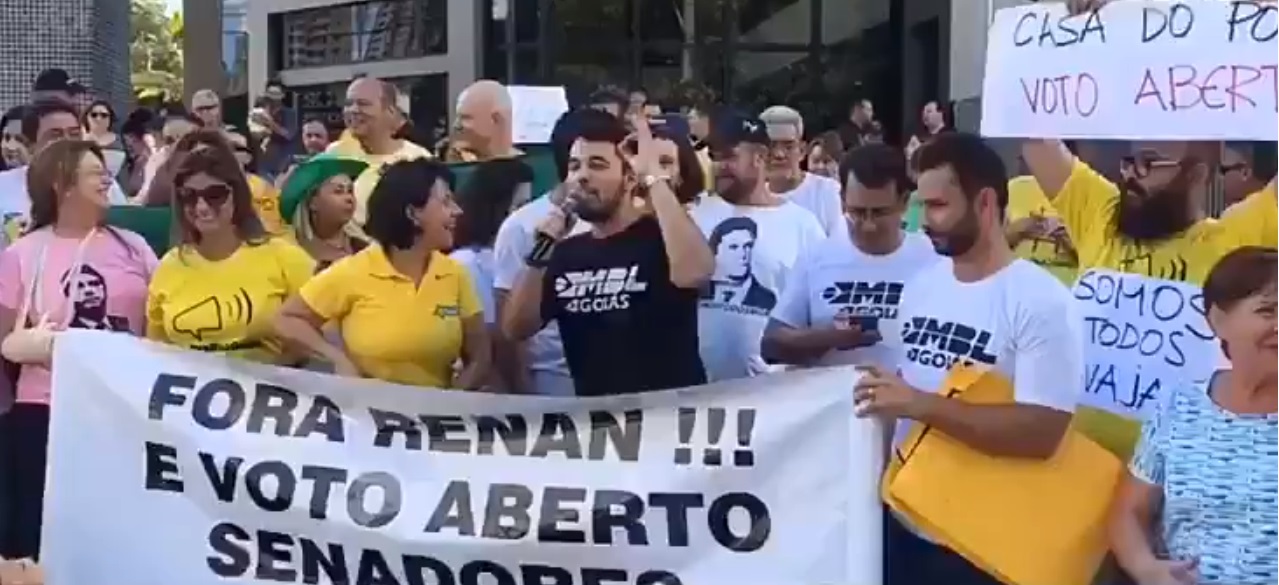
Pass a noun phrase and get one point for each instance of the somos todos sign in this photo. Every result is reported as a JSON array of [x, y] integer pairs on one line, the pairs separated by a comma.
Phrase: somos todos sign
[[1152, 70], [176, 467]]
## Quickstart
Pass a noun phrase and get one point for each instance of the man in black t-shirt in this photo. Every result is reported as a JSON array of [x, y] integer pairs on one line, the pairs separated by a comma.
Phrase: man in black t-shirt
[[624, 293]]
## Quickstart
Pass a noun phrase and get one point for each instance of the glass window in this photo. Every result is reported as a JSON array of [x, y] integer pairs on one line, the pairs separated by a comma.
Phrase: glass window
[[366, 31]]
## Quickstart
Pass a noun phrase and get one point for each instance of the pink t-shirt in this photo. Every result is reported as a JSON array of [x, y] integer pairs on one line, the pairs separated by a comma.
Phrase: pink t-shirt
[[112, 288]]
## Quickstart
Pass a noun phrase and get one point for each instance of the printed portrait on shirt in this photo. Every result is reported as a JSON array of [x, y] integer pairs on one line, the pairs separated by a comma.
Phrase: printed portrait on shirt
[[734, 282], [88, 293]]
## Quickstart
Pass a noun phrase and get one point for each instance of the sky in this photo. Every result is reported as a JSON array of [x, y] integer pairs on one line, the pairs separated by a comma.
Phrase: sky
[[174, 5]]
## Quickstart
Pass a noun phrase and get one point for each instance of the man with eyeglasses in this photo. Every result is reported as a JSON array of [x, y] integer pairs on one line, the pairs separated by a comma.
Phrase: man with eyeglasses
[[840, 295], [43, 123], [786, 177]]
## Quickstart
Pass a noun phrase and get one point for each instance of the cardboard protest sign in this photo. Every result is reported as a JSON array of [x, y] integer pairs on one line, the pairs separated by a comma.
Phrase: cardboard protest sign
[[1142, 336], [214, 470], [1136, 70]]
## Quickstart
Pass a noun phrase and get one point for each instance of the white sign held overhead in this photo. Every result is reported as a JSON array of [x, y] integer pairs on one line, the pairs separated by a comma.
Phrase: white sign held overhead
[[535, 110], [225, 471], [1135, 70]]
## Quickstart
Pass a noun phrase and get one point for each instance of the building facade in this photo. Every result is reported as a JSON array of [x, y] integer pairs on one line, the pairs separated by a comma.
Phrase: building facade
[[816, 55], [316, 47], [87, 38]]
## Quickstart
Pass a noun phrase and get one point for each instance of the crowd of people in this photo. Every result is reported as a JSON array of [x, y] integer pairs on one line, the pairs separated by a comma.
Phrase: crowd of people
[[667, 255]]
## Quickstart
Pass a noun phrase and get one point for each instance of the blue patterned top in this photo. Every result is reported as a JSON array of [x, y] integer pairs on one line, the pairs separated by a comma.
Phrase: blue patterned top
[[1220, 473]]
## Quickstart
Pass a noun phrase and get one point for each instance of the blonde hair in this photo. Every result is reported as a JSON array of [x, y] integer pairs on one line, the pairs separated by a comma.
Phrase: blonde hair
[[304, 230]]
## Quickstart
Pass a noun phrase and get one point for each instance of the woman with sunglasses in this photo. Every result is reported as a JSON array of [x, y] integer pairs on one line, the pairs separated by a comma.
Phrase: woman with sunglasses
[[70, 270], [319, 198], [99, 126], [219, 288], [411, 217]]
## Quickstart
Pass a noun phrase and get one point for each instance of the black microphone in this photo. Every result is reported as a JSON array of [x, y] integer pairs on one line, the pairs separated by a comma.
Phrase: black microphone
[[543, 242]]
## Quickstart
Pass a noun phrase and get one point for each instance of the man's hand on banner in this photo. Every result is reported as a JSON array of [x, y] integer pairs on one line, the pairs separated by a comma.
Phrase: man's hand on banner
[[20, 572], [882, 393]]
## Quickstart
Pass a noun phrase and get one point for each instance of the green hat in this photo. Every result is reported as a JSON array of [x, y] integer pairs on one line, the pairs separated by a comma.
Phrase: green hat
[[310, 174]]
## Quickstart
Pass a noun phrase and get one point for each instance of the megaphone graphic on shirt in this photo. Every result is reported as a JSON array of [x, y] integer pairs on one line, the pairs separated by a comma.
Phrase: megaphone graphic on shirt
[[213, 314]]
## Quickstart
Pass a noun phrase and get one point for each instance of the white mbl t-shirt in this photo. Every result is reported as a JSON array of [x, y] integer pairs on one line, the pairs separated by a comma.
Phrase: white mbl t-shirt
[[1019, 321], [836, 278], [513, 243], [822, 197], [755, 248]]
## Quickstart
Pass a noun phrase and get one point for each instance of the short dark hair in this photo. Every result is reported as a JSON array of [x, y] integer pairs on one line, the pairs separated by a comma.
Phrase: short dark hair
[[39, 110], [486, 200], [138, 122], [730, 225], [875, 165], [597, 126], [1242, 273], [610, 96], [976, 165], [403, 184]]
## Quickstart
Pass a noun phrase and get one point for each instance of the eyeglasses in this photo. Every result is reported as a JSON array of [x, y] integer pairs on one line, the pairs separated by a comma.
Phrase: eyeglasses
[[213, 195], [1146, 161], [100, 115], [206, 108]]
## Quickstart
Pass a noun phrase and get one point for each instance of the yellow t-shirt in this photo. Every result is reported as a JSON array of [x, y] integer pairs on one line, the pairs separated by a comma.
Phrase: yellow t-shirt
[[266, 201], [1025, 199], [368, 179], [1087, 205], [369, 300], [1260, 211], [225, 306]]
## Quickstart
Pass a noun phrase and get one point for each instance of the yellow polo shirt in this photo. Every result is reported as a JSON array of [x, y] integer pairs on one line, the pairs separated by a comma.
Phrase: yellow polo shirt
[[394, 330]]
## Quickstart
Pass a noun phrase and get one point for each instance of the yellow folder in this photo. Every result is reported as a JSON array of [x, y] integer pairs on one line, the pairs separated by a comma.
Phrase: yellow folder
[[1024, 522]]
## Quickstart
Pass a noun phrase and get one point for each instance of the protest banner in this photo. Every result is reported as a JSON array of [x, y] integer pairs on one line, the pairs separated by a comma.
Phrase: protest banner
[[1142, 336], [1135, 70], [167, 466]]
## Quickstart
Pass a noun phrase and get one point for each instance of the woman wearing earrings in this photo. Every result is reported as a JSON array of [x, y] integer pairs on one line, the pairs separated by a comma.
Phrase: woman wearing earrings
[[69, 270]]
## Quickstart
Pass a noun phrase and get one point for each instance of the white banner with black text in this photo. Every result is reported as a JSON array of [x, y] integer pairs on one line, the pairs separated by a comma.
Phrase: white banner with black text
[[168, 466]]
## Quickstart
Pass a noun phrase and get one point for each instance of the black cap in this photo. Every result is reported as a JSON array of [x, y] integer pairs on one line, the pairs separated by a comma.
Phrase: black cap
[[729, 128], [57, 80]]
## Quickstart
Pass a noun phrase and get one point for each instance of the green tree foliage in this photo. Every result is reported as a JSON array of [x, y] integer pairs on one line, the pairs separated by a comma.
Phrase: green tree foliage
[[155, 49]]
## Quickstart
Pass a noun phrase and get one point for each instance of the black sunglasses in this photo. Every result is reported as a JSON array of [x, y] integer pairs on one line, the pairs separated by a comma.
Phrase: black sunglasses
[[213, 195], [100, 115]]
